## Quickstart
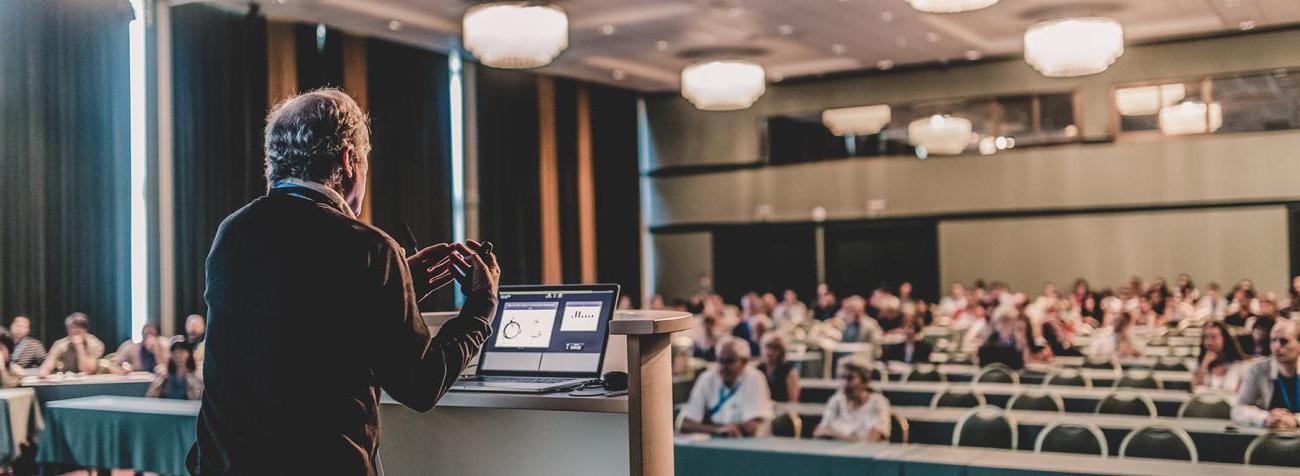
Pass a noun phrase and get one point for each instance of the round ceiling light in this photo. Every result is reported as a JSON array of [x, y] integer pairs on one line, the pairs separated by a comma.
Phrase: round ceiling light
[[515, 35], [1190, 117], [862, 120], [1074, 46], [940, 134], [950, 6], [724, 85]]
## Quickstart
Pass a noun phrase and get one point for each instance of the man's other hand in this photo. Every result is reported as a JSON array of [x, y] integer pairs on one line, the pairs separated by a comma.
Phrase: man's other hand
[[474, 272], [431, 269]]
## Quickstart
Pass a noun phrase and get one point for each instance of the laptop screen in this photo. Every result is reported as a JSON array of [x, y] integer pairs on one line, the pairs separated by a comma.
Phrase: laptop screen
[[549, 330]]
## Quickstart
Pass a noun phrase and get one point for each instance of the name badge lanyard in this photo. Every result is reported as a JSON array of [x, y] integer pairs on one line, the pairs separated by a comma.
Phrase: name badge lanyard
[[1286, 399]]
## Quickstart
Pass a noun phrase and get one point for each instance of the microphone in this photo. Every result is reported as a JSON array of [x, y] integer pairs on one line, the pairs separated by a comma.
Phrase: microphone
[[410, 235]]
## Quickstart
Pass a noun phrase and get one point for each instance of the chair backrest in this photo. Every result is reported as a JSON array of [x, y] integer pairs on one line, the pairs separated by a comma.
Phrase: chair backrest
[[677, 422], [1068, 377], [924, 373], [1104, 364], [957, 398], [986, 427], [1140, 378], [900, 431], [1206, 405], [879, 375], [1125, 402], [1172, 364], [997, 373], [1158, 441], [958, 358], [788, 424], [1037, 399], [1275, 449], [1066, 437]]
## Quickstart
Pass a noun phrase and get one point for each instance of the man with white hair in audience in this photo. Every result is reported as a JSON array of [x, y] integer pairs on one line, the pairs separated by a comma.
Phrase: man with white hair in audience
[[1270, 391], [854, 324], [730, 399]]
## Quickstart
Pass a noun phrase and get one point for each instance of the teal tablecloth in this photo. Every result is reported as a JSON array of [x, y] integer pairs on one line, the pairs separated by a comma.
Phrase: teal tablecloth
[[126, 386], [19, 414], [144, 434]]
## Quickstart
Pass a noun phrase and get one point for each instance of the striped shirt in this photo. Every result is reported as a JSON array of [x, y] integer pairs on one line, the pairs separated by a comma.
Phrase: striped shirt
[[28, 353]]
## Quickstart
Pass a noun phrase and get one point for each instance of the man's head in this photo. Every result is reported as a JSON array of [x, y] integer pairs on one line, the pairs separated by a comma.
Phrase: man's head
[[77, 324], [733, 355], [21, 327], [149, 330], [1284, 341], [320, 136], [195, 328]]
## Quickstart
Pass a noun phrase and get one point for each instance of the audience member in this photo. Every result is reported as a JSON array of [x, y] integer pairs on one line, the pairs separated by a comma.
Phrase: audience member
[[1259, 333], [729, 399], [11, 375], [706, 338], [889, 319], [854, 323], [28, 351], [855, 412], [1006, 345], [1269, 395], [624, 303], [1213, 303], [78, 352], [1219, 365], [826, 307], [954, 302], [196, 331], [923, 313], [146, 355], [179, 379], [790, 310], [1116, 339], [913, 349], [975, 322], [1057, 333], [754, 322], [782, 379]]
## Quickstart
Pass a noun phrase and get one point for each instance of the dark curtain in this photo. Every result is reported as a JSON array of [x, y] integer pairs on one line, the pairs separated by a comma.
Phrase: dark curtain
[[507, 171], [764, 258], [219, 104], [65, 157], [319, 59], [618, 188], [410, 167], [861, 257], [566, 164]]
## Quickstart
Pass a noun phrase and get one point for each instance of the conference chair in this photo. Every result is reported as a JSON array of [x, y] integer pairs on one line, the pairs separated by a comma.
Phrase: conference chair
[[959, 358], [1124, 402], [1077, 438], [1275, 449], [1103, 364], [1140, 378], [1037, 400], [1160, 442], [924, 373], [957, 398], [879, 374], [1172, 364], [1207, 405], [899, 430], [997, 373], [677, 422], [1068, 378], [986, 427], [787, 423]]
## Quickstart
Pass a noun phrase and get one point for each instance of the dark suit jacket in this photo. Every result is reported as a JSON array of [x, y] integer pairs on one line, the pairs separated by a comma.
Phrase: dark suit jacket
[[310, 314], [897, 352]]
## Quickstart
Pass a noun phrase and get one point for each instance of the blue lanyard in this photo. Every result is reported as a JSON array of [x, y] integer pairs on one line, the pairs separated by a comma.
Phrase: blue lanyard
[[1285, 398], [723, 395]]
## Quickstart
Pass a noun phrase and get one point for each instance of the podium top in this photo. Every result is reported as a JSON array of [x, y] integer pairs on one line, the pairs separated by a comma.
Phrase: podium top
[[649, 322]]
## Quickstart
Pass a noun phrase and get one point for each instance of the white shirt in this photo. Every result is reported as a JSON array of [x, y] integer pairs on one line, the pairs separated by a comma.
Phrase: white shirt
[[1230, 381], [333, 195], [840, 417], [751, 398]]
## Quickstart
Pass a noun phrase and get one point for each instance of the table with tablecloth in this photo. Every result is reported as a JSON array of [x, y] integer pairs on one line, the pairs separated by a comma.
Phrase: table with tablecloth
[[144, 434], [20, 420], [783, 456], [135, 384], [1076, 399]]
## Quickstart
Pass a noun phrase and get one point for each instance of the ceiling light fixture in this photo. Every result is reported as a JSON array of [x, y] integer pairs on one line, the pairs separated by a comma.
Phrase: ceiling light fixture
[[1191, 117], [1147, 100], [950, 6], [860, 121], [723, 85], [515, 35], [940, 134], [1074, 46]]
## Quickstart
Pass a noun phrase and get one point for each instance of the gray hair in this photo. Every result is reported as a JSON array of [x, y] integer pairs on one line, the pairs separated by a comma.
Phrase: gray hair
[[78, 320], [737, 345], [307, 134], [855, 365]]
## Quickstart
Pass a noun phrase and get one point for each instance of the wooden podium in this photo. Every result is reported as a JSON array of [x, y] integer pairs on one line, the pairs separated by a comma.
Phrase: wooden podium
[[500, 433]]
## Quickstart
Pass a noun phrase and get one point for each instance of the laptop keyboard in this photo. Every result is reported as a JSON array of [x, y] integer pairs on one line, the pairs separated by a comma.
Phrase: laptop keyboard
[[529, 379]]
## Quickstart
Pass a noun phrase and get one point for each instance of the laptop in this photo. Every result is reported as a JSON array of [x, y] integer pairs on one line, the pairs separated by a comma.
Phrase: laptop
[[544, 338]]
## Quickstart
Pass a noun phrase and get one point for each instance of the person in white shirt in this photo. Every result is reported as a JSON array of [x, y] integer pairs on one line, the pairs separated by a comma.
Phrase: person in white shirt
[[790, 310], [855, 412], [975, 322], [730, 399], [1220, 364]]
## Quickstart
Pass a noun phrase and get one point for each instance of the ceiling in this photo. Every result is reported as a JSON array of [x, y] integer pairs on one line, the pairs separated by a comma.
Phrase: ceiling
[[643, 44]]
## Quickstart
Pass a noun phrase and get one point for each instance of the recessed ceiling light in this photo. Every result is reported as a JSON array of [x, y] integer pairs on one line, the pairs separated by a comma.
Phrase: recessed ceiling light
[[619, 74], [932, 37], [1247, 25], [885, 65], [886, 17], [394, 25], [838, 49], [785, 29], [974, 55], [661, 45], [607, 30]]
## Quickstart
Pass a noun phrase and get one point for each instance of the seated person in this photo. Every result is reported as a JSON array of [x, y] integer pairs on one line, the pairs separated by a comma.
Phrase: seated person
[[1269, 395], [706, 338], [782, 380], [913, 349], [826, 307], [1007, 344], [1058, 333], [1242, 314], [854, 323], [1218, 367], [196, 330], [11, 375], [1116, 340], [790, 310], [78, 352], [144, 356], [975, 322], [1258, 342], [28, 351], [729, 399], [890, 319], [855, 412], [179, 379]]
